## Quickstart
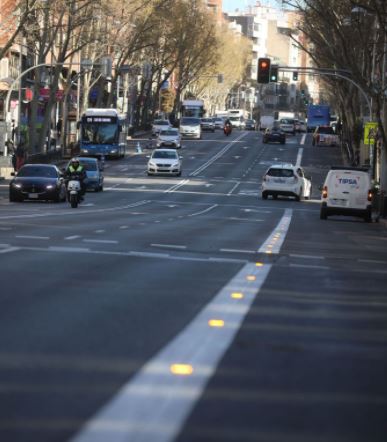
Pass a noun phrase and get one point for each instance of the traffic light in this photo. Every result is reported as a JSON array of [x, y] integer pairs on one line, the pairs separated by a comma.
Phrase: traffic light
[[274, 74], [295, 76], [263, 70]]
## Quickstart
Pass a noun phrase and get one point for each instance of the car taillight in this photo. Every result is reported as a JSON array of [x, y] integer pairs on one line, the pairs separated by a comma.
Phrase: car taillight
[[370, 195], [325, 192]]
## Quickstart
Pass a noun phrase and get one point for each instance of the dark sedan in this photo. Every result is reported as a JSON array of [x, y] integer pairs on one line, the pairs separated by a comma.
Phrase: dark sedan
[[274, 135], [38, 182], [250, 124]]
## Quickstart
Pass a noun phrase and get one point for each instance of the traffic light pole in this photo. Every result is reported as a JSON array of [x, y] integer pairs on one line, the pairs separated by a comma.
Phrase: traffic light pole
[[339, 73]]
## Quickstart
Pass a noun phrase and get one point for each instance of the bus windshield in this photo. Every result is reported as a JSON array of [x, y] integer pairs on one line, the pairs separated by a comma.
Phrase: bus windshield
[[99, 133]]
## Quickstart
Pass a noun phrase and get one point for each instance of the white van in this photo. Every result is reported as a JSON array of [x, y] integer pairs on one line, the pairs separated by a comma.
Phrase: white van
[[347, 191]]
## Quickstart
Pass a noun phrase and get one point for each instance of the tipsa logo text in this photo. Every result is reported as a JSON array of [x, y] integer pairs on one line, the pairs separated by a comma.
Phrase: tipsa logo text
[[347, 181]]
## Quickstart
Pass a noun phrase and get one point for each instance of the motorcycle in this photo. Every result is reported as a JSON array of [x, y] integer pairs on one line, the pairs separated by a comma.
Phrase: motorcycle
[[74, 194], [227, 129]]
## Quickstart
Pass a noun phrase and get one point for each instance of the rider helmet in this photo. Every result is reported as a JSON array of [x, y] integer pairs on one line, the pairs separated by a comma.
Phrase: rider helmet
[[74, 161]]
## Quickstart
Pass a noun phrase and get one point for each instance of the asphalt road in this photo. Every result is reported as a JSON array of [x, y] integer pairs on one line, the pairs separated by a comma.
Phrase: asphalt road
[[189, 309]]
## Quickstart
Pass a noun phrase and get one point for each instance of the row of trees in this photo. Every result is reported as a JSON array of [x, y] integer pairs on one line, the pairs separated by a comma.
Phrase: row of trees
[[351, 37], [150, 42]]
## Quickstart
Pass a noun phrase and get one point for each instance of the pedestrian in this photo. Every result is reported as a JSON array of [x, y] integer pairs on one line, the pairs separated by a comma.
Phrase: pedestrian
[[20, 156]]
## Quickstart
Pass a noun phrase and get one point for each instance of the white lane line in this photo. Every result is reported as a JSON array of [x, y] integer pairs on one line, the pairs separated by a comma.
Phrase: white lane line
[[232, 190], [32, 237], [204, 211], [5, 228], [70, 238], [309, 266], [294, 255], [176, 377], [299, 156], [234, 218], [303, 138], [274, 242], [372, 261], [215, 157], [237, 251], [69, 249], [169, 246], [76, 212], [132, 415], [100, 231], [123, 227], [176, 186], [100, 241], [9, 249]]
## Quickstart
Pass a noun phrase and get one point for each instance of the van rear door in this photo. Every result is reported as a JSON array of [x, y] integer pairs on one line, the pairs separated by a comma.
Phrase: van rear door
[[348, 188]]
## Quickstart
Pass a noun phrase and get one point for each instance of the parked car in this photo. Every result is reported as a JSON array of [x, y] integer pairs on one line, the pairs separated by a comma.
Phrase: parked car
[[207, 124], [159, 125], [169, 137], [286, 180], [274, 134], [325, 136], [347, 191], [94, 173], [164, 162], [288, 125], [190, 127], [37, 182], [250, 124]]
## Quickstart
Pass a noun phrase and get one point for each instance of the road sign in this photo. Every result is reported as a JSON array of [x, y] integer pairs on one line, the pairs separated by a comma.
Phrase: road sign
[[370, 130]]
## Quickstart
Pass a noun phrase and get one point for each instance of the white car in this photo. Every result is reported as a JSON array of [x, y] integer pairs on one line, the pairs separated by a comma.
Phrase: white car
[[164, 162], [347, 191], [190, 127], [288, 125], [286, 180], [169, 137], [159, 125]]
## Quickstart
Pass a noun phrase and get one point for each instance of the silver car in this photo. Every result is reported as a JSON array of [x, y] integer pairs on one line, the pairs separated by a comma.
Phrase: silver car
[[169, 138], [190, 127], [164, 162], [159, 125]]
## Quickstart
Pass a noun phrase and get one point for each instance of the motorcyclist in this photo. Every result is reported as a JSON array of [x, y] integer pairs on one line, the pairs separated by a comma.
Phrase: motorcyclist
[[76, 171], [227, 126]]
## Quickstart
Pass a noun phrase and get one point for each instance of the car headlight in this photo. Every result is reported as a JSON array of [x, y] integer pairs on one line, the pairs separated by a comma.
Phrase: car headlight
[[151, 164], [49, 186], [18, 186], [175, 164], [85, 151], [113, 151]]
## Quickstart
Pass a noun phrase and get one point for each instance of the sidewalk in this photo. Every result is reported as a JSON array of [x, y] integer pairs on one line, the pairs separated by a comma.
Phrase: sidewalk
[[136, 143]]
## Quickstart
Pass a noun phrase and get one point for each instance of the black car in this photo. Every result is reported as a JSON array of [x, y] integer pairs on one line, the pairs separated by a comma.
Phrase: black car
[[250, 124], [274, 135], [38, 182]]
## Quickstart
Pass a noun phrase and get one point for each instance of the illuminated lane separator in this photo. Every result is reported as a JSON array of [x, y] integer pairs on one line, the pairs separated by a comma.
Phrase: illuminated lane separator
[[275, 240], [216, 156], [155, 403]]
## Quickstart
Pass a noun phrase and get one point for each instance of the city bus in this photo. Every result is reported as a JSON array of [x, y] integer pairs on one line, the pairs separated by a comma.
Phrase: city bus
[[103, 133]]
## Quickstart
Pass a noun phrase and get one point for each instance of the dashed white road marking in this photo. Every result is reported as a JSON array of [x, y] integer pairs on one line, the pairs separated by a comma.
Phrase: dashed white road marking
[[70, 238], [100, 241], [32, 237], [234, 187], [9, 249], [203, 211], [294, 255], [309, 266], [237, 251], [170, 246], [303, 138]]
